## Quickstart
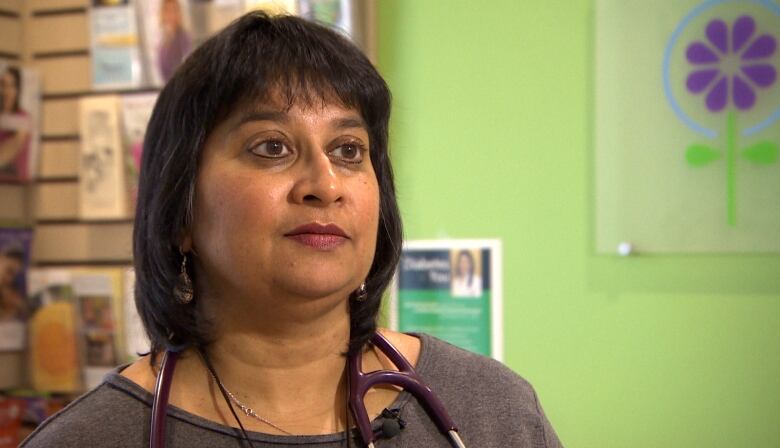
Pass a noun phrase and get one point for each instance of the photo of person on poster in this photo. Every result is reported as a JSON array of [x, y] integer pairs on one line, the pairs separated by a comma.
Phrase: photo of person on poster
[[12, 306], [15, 127], [466, 278], [176, 42]]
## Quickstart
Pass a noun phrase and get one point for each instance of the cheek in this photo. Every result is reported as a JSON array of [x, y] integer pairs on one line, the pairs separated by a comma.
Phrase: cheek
[[367, 202], [235, 213]]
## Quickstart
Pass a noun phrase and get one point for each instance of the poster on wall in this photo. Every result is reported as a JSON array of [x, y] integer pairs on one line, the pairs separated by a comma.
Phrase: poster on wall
[[451, 289], [687, 126], [20, 99], [116, 56]]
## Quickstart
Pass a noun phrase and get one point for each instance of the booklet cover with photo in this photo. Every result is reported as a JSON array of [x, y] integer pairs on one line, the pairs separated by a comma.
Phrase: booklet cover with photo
[[208, 17], [20, 98], [167, 37], [77, 329], [272, 7], [15, 245], [136, 341], [116, 57], [95, 299], [53, 350], [337, 14], [102, 187]]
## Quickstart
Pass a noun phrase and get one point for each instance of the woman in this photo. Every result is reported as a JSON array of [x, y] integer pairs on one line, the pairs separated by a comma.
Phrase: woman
[[14, 128], [266, 233], [12, 306], [465, 282], [175, 43]]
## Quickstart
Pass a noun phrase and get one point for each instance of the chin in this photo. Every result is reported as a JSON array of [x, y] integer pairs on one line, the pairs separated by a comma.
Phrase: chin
[[318, 286]]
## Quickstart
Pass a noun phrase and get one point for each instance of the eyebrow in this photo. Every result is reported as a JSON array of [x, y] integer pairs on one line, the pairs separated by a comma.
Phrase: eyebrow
[[349, 123]]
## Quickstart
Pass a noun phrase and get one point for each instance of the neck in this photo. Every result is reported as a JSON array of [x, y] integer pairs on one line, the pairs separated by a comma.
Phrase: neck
[[286, 362]]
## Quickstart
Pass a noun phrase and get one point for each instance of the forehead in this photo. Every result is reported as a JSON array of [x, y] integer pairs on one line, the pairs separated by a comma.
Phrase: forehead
[[9, 261], [289, 91], [325, 111]]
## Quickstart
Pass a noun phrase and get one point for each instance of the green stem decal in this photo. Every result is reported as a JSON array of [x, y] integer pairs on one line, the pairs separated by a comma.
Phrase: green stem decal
[[731, 160]]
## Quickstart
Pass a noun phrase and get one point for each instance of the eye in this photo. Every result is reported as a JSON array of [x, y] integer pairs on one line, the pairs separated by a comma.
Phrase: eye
[[351, 152], [271, 149]]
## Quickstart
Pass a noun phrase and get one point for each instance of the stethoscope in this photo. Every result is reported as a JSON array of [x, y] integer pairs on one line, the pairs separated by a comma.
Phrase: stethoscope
[[359, 383]]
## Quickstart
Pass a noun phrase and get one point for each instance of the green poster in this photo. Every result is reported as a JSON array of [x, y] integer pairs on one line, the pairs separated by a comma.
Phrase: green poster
[[451, 289]]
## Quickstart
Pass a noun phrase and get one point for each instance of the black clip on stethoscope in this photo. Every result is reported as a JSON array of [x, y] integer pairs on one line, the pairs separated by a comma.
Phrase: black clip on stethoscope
[[359, 384]]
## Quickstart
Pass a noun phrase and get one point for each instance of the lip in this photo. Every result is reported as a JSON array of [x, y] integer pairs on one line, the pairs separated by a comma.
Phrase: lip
[[319, 236], [318, 229]]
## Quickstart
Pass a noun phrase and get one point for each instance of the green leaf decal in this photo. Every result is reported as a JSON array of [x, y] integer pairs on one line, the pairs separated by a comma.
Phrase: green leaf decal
[[763, 153], [701, 155]]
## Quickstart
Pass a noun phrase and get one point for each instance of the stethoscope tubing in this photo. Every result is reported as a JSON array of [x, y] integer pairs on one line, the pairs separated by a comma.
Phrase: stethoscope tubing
[[162, 390]]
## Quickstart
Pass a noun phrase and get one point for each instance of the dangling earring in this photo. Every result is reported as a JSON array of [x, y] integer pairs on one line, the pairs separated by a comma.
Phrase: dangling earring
[[183, 290], [361, 294]]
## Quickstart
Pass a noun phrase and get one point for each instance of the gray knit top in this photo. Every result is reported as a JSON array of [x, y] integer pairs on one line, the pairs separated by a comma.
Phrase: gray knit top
[[492, 406]]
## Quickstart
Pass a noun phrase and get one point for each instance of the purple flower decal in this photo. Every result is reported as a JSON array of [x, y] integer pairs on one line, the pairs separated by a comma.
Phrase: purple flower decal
[[737, 65]]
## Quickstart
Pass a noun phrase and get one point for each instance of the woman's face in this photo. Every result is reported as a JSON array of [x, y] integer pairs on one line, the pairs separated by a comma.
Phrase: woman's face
[[286, 201], [171, 14], [9, 269], [9, 91], [464, 266]]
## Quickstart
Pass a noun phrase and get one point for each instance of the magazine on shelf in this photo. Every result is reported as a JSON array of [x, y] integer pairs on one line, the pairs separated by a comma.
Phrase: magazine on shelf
[[102, 186], [11, 410], [97, 326], [337, 14], [208, 17], [36, 408], [136, 340], [19, 122], [116, 57], [76, 330], [272, 6], [15, 244], [54, 353], [136, 110], [167, 37]]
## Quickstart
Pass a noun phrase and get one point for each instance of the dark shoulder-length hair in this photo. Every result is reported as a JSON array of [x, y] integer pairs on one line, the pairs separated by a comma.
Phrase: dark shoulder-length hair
[[255, 55], [17, 80]]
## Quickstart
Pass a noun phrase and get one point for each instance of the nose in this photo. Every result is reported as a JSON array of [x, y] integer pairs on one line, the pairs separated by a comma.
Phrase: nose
[[317, 184]]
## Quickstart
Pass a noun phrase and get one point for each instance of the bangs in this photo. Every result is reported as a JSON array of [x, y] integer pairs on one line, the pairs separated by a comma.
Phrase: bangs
[[315, 69]]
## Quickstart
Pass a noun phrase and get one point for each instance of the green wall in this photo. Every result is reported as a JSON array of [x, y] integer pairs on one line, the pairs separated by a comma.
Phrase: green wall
[[492, 137]]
